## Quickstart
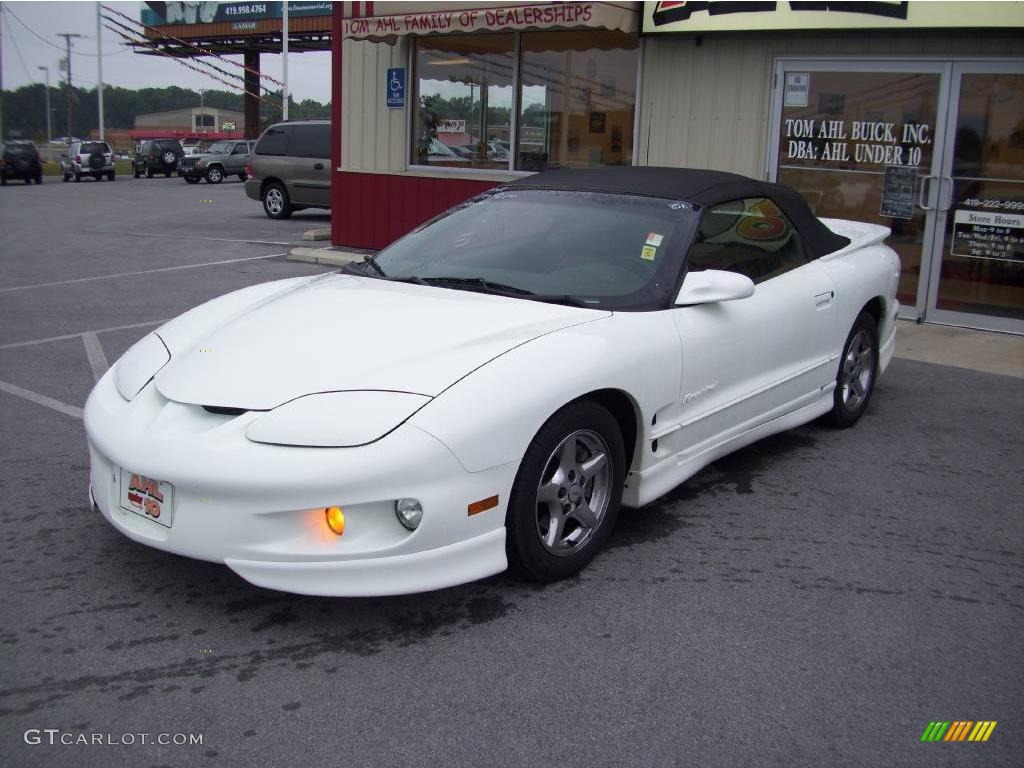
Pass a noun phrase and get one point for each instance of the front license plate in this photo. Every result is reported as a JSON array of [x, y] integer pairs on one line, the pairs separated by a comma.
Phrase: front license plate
[[147, 497]]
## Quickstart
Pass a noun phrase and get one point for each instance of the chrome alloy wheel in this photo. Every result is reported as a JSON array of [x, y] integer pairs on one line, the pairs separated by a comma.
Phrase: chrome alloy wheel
[[275, 201], [574, 493], [858, 371]]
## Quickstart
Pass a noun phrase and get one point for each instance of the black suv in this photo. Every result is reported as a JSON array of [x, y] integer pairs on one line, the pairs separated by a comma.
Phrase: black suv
[[21, 161], [157, 156]]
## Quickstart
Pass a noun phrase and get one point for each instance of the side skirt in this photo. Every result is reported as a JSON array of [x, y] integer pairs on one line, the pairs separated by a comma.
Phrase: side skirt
[[644, 487]]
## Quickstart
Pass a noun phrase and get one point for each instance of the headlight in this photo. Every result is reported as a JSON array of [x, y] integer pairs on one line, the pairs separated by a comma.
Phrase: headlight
[[139, 365], [335, 419]]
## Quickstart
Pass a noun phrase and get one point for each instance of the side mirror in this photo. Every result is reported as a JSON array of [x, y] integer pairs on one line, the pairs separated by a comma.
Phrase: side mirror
[[714, 285]]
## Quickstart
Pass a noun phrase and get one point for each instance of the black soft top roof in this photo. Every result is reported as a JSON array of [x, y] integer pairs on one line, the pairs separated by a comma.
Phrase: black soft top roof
[[700, 187]]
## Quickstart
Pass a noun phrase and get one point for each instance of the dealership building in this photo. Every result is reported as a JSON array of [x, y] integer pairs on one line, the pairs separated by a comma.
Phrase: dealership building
[[907, 114]]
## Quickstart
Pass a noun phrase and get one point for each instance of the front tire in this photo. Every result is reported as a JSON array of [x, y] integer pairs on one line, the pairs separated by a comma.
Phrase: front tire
[[214, 175], [858, 369], [149, 173], [566, 495], [275, 201]]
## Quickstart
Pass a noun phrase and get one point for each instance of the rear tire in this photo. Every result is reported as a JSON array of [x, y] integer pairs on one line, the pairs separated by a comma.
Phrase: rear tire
[[111, 176], [858, 369], [275, 201], [78, 177], [566, 495], [149, 173], [242, 177]]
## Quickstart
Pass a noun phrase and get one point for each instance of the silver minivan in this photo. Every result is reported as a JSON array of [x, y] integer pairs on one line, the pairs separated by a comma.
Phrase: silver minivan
[[290, 168]]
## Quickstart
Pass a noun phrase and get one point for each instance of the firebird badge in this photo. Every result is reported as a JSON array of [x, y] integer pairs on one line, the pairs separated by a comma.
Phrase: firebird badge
[[702, 391]]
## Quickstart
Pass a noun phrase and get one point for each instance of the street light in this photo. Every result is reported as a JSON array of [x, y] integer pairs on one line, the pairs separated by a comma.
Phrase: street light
[[49, 127]]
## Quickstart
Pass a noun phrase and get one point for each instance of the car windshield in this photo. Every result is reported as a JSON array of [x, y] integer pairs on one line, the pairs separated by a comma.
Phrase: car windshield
[[221, 147], [587, 248], [94, 146]]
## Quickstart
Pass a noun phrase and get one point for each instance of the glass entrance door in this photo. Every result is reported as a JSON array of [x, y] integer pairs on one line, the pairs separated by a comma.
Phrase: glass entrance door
[[979, 279], [863, 141], [934, 150]]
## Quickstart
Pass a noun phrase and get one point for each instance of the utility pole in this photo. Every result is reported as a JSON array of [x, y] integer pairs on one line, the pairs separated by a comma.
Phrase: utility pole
[[67, 41], [202, 109], [1, 74], [99, 67], [49, 126], [284, 59]]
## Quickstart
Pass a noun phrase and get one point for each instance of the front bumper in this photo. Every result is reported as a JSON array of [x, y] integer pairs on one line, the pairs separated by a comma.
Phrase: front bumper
[[259, 508]]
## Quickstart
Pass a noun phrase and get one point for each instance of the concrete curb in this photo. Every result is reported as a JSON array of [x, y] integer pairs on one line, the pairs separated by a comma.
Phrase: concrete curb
[[317, 234], [332, 257], [985, 351]]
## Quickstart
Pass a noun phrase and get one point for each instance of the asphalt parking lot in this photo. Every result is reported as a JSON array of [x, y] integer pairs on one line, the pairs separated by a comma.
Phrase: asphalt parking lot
[[815, 599]]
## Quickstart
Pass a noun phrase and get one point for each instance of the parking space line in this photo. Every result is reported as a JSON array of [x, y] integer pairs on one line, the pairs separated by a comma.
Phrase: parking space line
[[97, 357], [139, 272], [43, 400], [199, 237], [33, 342]]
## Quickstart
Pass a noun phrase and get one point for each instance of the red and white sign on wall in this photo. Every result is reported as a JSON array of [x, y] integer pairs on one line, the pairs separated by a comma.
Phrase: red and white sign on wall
[[381, 20]]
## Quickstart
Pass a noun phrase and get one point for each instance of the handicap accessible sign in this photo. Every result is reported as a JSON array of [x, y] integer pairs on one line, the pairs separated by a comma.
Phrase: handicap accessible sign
[[396, 88]]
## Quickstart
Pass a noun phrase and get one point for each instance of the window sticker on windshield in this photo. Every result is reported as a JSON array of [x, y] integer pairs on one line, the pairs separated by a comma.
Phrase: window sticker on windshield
[[653, 238], [648, 252]]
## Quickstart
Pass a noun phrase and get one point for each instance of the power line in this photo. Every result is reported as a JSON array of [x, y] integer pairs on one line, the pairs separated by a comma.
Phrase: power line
[[6, 8], [17, 50], [190, 66], [187, 44], [203, 63]]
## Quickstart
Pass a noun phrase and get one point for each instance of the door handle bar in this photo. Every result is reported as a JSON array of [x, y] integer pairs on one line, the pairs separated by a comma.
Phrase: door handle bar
[[923, 194]]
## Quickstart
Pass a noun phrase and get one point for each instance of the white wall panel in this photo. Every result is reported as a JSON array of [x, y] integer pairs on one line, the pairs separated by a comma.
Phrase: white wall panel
[[373, 136], [705, 100]]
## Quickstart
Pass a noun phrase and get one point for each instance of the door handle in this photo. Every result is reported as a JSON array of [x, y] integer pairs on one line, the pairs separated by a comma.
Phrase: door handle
[[822, 300], [944, 206], [318, 166], [922, 194]]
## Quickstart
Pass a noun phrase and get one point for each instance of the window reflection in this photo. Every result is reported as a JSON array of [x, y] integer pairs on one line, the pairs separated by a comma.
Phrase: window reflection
[[464, 101], [578, 98]]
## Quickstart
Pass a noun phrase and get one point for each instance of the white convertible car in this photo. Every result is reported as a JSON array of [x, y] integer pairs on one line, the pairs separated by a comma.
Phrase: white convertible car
[[487, 391]]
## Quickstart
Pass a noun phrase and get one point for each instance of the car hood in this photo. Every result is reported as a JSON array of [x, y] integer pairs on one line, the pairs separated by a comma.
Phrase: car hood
[[353, 333]]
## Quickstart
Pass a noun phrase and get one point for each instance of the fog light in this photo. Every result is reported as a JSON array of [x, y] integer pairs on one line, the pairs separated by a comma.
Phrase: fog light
[[335, 519], [409, 513]]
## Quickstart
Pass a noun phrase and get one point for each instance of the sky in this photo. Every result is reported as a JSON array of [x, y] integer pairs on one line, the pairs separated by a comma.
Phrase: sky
[[309, 74]]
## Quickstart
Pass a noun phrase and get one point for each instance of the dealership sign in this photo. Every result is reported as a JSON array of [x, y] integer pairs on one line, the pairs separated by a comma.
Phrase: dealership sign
[[715, 16], [397, 19]]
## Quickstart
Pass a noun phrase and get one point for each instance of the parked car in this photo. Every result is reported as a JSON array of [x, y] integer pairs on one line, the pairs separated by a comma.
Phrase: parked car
[[223, 158], [157, 156], [290, 168], [87, 158], [20, 160], [514, 370]]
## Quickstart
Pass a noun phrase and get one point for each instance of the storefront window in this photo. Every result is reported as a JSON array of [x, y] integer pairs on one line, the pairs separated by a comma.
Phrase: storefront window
[[577, 98], [578, 95], [463, 101]]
